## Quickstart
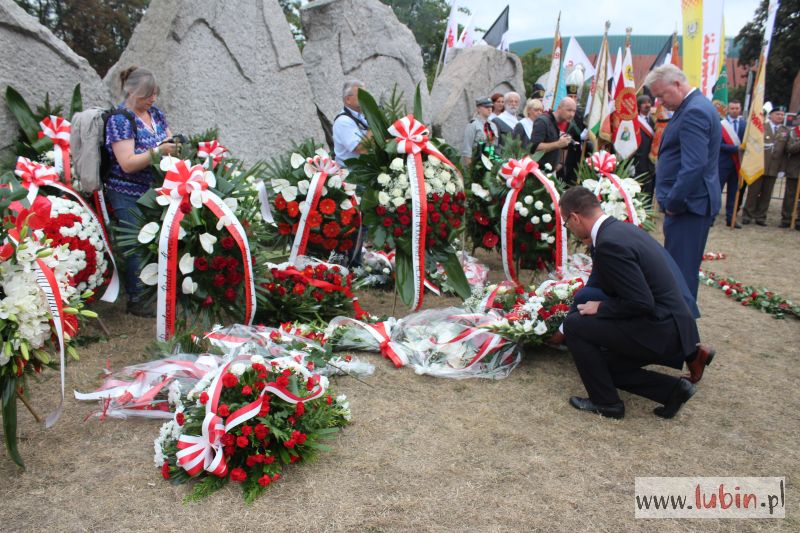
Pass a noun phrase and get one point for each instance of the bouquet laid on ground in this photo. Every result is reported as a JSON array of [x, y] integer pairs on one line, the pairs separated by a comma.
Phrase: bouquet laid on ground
[[750, 296], [515, 210], [315, 209], [376, 270], [252, 419], [307, 290], [621, 198], [530, 317], [39, 306], [414, 199], [195, 235]]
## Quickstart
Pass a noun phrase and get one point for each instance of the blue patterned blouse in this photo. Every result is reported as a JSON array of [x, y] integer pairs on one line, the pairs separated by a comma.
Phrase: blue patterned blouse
[[119, 128]]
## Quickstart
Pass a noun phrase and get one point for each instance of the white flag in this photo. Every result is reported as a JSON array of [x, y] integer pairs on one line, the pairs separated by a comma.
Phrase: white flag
[[712, 40], [451, 34], [467, 38], [575, 56], [625, 109]]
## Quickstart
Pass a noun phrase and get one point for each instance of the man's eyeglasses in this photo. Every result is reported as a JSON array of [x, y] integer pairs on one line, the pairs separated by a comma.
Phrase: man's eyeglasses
[[566, 220]]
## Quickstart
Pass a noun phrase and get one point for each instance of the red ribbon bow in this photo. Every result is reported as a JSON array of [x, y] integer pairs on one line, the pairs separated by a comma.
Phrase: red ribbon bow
[[410, 134], [57, 129], [33, 173], [183, 180], [515, 171], [212, 149], [323, 164], [603, 162]]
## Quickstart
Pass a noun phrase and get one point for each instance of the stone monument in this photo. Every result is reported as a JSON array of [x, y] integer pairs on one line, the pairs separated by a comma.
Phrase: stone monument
[[470, 74], [35, 62], [232, 65], [360, 39]]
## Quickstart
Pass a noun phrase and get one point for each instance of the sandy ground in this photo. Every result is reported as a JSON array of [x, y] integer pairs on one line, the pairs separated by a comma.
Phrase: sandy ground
[[427, 454]]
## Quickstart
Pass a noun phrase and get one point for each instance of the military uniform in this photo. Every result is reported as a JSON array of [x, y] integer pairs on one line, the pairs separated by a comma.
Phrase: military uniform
[[792, 170], [760, 192], [476, 133]]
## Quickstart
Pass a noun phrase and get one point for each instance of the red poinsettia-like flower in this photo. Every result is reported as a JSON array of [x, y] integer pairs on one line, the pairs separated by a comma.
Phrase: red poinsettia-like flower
[[292, 209], [490, 239], [327, 206], [280, 203], [314, 219]]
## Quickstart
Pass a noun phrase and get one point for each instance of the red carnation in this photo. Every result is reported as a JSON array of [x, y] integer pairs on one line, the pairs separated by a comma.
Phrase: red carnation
[[165, 470], [387, 222], [180, 418], [264, 411], [229, 380], [398, 231], [314, 219], [292, 208], [300, 409], [330, 244], [242, 442], [238, 475], [230, 294], [247, 391], [246, 431], [261, 431], [405, 220], [490, 240], [218, 262], [380, 210], [331, 230], [203, 398], [435, 217], [228, 243], [223, 410], [327, 206], [284, 228], [264, 480]]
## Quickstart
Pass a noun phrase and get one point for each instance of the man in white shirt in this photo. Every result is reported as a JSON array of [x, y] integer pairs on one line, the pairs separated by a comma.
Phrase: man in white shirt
[[350, 126], [508, 119]]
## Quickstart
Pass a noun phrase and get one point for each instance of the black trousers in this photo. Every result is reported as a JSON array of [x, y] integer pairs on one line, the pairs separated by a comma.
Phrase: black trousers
[[608, 359]]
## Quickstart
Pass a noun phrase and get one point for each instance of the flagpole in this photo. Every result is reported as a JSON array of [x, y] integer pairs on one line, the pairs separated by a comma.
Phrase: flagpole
[[556, 38]]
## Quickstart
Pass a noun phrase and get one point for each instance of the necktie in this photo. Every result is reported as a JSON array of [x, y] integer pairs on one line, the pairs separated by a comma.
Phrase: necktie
[[487, 130]]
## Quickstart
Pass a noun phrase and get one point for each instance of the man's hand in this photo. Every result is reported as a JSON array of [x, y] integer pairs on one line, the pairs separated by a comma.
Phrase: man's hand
[[589, 308]]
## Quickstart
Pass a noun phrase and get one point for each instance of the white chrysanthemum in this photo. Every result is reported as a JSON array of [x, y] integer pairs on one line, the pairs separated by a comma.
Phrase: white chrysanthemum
[[434, 161], [546, 218], [535, 219], [528, 199], [538, 205], [383, 198], [397, 164]]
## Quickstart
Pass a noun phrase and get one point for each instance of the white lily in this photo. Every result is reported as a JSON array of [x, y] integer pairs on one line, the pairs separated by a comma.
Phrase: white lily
[[283, 187], [383, 198], [346, 204], [149, 274], [302, 186], [186, 264], [207, 241], [334, 182], [231, 202], [486, 162], [223, 221], [168, 163], [148, 232], [297, 160], [188, 286]]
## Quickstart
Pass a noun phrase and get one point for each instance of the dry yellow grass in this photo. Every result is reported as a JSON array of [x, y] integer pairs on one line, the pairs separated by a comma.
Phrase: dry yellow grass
[[427, 454]]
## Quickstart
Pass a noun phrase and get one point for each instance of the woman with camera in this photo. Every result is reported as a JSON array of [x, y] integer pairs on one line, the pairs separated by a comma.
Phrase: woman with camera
[[135, 132]]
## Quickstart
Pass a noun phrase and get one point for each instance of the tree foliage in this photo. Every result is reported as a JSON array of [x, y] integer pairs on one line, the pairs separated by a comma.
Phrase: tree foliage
[[782, 64], [291, 10], [98, 30], [534, 64]]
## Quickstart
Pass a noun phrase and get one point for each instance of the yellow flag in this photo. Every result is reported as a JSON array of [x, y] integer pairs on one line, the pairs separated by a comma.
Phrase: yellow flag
[[692, 14], [753, 142]]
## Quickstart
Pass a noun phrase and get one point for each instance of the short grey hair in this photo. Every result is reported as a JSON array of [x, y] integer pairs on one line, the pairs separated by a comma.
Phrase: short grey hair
[[349, 85], [668, 73]]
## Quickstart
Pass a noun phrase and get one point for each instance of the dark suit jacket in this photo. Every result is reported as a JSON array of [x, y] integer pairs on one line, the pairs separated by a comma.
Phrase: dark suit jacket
[[644, 297], [643, 163], [545, 129], [688, 159]]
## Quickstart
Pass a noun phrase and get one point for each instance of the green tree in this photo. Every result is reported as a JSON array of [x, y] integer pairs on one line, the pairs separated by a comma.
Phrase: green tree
[[291, 9], [98, 30], [782, 64], [533, 65]]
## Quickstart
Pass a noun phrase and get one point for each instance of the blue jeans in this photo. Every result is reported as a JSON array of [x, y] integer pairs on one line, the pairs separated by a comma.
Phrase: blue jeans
[[125, 213]]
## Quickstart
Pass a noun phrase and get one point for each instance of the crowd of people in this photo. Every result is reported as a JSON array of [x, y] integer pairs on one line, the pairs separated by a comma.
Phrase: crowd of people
[[639, 307]]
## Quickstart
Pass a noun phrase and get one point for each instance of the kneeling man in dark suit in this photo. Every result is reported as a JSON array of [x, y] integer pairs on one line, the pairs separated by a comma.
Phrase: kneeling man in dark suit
[[644, 320]]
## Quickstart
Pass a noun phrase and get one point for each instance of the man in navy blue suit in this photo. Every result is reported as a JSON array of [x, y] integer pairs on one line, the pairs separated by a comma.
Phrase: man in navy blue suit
[[687, 188], [642, 320], [729, 161]]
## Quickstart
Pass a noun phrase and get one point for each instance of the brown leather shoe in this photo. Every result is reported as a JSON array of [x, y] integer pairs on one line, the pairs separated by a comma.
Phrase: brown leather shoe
[[556, 339], [704, 355]]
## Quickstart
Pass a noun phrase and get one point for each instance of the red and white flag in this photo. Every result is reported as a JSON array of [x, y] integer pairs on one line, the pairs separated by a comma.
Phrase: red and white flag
[[451, 34], [624, 121], [467, 38]]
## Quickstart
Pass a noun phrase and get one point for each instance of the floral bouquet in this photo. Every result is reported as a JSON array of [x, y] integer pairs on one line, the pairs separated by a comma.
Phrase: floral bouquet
[[619, 197], [515, 209], [39, 306], [308, 290], [534, 315], [413, 200], [376, 270], [749, 296], [314, 207], [476, 273], [253, 418], [195, 235]]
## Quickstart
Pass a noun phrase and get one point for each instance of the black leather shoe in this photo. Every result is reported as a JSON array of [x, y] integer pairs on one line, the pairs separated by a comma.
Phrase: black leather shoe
[[616, 410], [761, 223], [745, 221], [680, 395]]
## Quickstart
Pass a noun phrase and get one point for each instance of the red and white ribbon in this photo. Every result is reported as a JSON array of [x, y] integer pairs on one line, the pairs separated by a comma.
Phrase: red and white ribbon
[[412, 139], [183, 180], [515, 173], [34, 175], [58, 130], [490, 343], [604, 164], [318, 168], [382, 333], [212, 152], [205, 452], [46, 279]]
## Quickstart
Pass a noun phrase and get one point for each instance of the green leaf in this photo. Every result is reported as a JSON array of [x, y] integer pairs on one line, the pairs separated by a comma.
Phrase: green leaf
[[10, 420], [405, 277], [22, 112], [76, 105], [374, 116], [379, 237], [418, 104], [456, 277]]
